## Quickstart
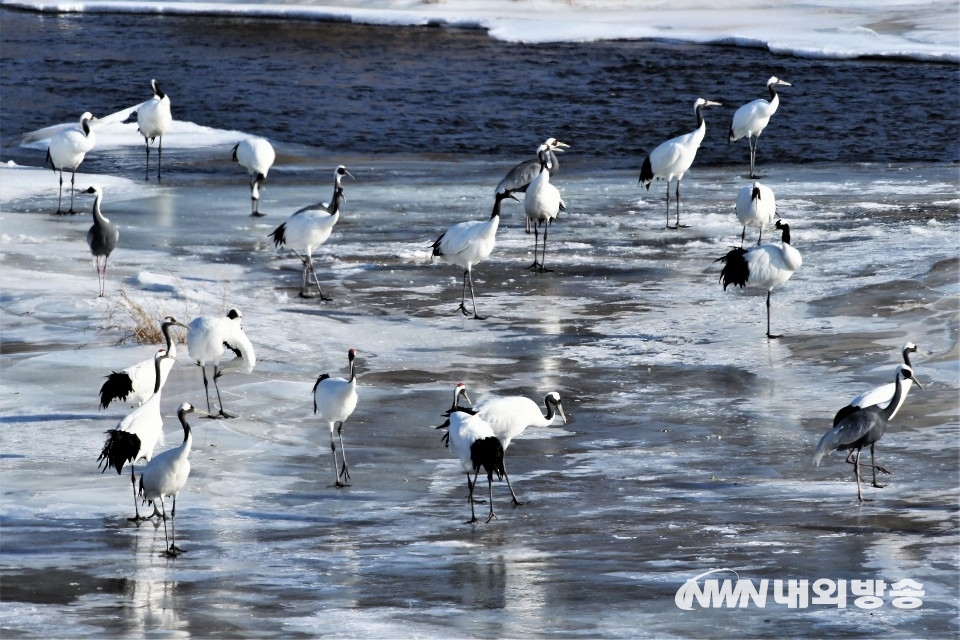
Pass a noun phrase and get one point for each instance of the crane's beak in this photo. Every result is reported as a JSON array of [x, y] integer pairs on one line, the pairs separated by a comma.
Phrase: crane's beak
[[347, 173], [917, 382], [784, 83], [711, 103], [563, 416], [560, 146]]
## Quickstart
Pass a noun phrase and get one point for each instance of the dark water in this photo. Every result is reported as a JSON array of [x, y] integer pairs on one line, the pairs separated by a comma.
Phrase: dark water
[[362, 89]]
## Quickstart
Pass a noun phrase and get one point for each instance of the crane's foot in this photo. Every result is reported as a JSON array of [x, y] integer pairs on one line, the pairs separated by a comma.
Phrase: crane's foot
[[492, 516], [137, 518], [878, 486], [516, 502], [463, 309], [476, 317], [771, 336], [257, 214], [340, 485], [472, 520], [344, 473]]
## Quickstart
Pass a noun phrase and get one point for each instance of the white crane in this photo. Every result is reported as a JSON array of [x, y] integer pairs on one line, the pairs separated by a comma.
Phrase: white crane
[[542, 204], [165, 475], [335, 399], [764, 266], [102, 238], [209, 338], [521, 175], [467, 243], [883, 394], [862, 428], [256, 155], [509, 416], [752, 118], [135, 437], [475, 444], [756, 207], [309, 228], [153, 121], [67, 150], [135, 384], [671, 159]]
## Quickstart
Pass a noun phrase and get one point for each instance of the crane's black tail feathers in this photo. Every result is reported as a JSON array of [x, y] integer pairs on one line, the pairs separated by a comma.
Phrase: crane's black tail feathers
[[735, 270], [488, 453], [646, 173], [279, 235], [117, 387], [436, 245], [121, 447]]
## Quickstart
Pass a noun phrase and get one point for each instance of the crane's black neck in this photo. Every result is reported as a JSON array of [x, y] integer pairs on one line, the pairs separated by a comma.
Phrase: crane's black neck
[[156, 370], [551, 409], [165, 328], [337, 199], [906, 357], [786, 234], [86, 127], [353, 371], [699, 116], [773, 90], [496, 204], [186, 427]]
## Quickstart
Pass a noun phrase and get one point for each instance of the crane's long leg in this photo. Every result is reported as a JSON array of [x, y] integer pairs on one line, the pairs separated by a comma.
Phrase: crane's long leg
[[856, 471], [166, 538], [743, 236], [206, 387], [473, 297], [133, 482], [217, 374], [73, 180], [343, 453], [470, 486], [876, 467], [463, 296], [678, 207], [174, 549], [146, 171], [60, 197], [543, 258], [336, 466], [536, 244], [159, 156], [668, 204], [492, 515], [769, 335], [509, 486]]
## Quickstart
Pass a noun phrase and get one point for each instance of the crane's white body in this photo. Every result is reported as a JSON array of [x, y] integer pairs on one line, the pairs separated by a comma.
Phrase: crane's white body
[[256, 155], [467, 243], [473, 442], [509, 416], [309, 228], [209, 338], [756, 207], [541, 202], [751, 119], [137, 381], [166, 475], [68, 147], [335, 399], [670, 160], [153, 121]]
